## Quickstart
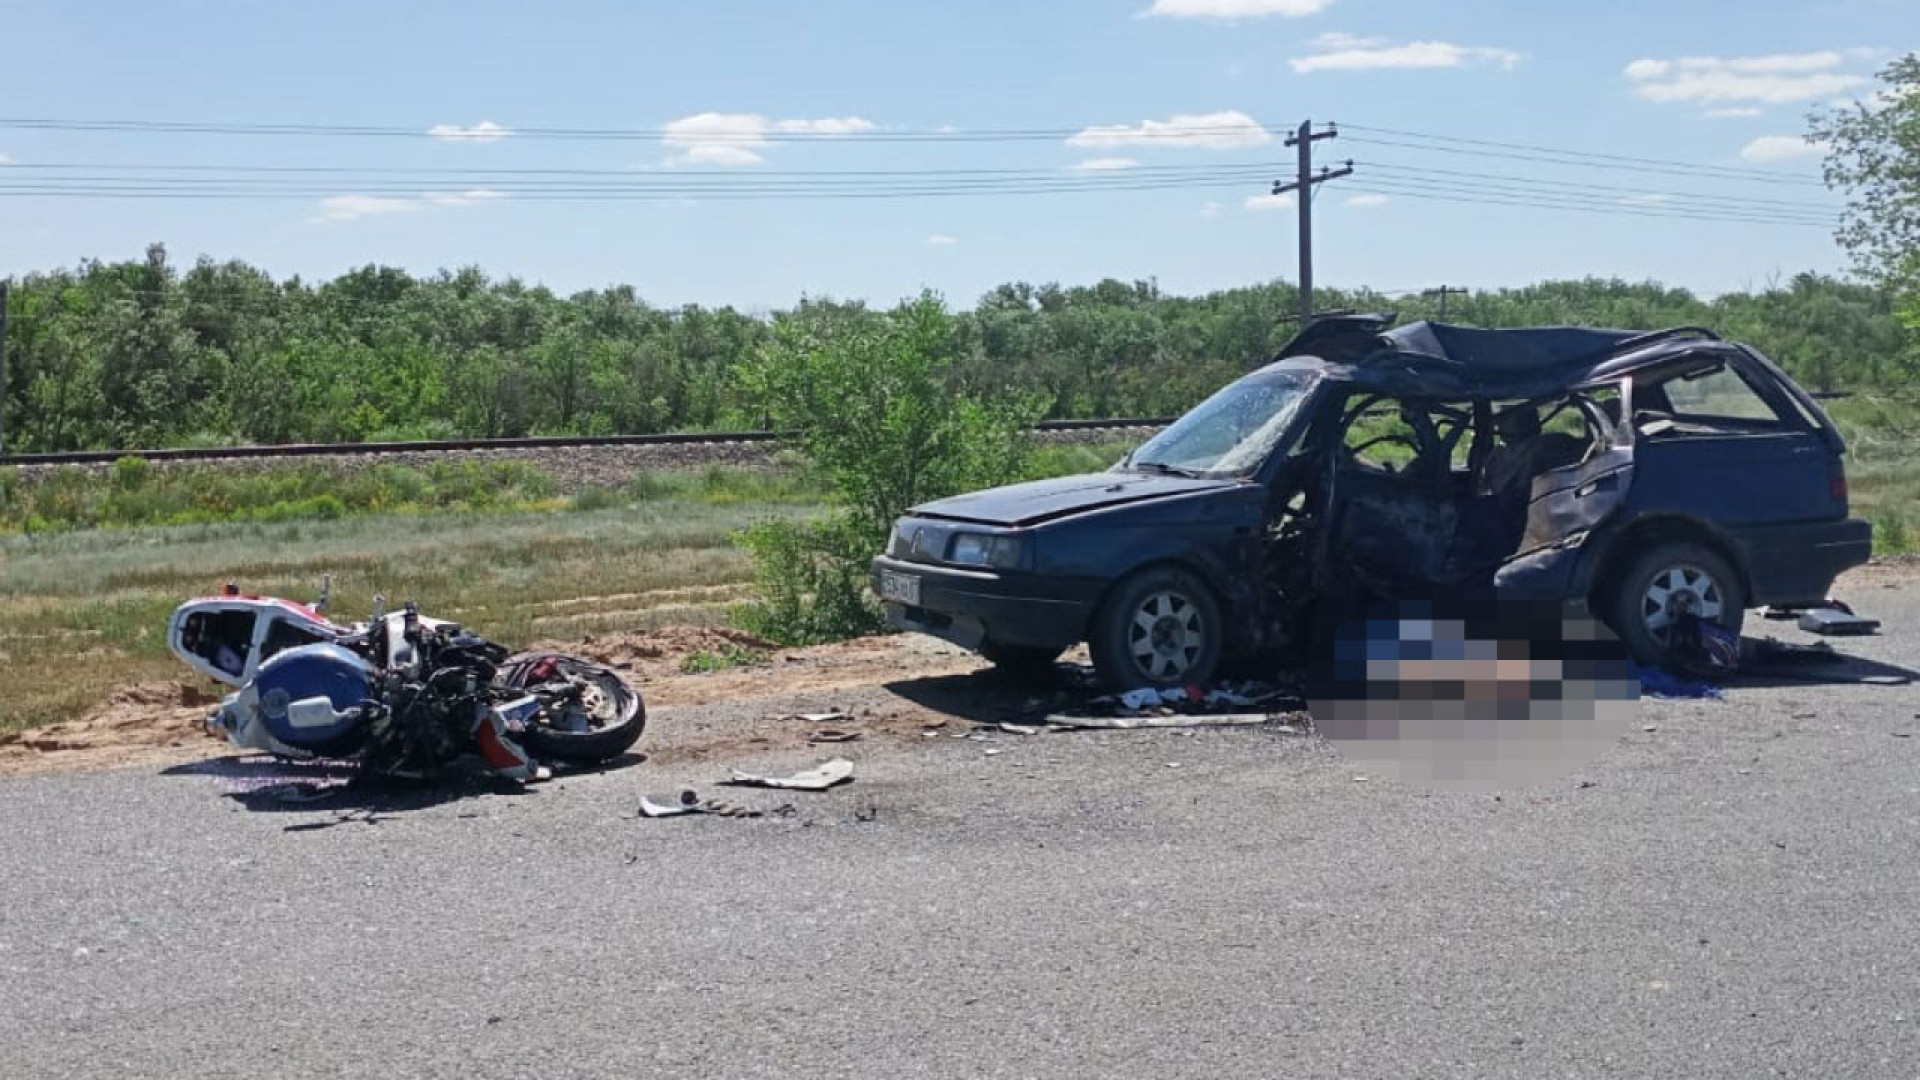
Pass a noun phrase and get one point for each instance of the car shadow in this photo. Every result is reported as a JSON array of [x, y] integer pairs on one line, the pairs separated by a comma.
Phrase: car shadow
[[1802, 665], [271, 785], [991, 696]]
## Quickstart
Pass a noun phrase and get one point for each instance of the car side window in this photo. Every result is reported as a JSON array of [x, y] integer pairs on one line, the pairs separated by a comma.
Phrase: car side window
[[1718, 393], [1378, 438]]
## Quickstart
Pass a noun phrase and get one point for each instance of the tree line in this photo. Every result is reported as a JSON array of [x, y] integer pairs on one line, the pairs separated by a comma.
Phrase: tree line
[[142, 353]]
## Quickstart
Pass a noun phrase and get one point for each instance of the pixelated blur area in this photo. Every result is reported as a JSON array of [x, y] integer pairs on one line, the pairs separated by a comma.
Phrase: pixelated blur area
[[1480, 693]]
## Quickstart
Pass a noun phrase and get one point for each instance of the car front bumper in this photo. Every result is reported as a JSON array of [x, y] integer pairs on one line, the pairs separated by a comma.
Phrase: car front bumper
[[967, 607]]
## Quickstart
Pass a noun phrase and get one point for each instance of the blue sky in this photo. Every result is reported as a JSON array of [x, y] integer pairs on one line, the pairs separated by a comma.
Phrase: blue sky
[[724, 91]]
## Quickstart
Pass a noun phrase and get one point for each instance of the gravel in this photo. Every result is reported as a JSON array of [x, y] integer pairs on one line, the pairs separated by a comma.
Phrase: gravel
[[1729, 894]]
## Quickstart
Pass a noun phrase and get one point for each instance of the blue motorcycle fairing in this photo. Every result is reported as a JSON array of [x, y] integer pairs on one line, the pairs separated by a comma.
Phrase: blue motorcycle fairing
[[310, 697]]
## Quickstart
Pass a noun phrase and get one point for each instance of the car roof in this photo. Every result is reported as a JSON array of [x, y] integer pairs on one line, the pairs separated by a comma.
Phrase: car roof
[[1439, 360]]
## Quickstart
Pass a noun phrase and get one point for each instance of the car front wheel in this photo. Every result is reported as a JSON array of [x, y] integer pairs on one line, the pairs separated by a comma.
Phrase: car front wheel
[[1160, 627], [1663, 585]]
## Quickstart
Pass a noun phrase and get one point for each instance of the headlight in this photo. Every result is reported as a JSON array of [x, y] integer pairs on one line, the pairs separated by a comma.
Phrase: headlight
[[899, 544], [983, 549]]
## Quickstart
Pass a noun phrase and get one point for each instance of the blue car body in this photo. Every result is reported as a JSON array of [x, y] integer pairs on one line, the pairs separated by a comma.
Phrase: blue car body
[[1029, 566]]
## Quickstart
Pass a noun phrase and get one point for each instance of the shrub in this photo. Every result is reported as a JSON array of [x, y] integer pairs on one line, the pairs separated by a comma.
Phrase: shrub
[[130, 472], [871, 397], [810, 581], [729, 656]]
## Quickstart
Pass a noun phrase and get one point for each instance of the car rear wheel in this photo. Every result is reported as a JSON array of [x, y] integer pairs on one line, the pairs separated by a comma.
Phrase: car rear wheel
[[1665, 583], [1160, 627]]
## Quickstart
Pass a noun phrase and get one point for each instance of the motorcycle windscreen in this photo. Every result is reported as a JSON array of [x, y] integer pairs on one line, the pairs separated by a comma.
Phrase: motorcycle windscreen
[[214, 638]]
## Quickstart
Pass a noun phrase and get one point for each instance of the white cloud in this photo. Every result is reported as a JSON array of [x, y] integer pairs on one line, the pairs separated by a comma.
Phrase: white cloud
[[712, 138], [735, 139], [349, 207], [1773, 79], [485, 131], [5, 160], [1105, 164], [1269, 202], [1234, 9], [1345, 52], [1212, 208], [942, 240], [1651, 198], [826, 125], [468, 197], [1368, 199], [1228, 130], [1781, 148], [1734, 113]]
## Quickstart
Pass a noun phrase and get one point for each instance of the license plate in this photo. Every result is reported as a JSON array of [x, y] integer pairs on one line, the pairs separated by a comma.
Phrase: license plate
[[900, 588]]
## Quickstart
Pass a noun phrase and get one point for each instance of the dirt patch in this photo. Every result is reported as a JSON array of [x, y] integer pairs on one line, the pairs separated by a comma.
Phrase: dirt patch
[[658, 652], [704, 715], [1885, 572], [144, 722]]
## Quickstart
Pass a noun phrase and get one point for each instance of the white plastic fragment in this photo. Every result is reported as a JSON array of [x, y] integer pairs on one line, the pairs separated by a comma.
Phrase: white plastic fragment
[[819, 778]]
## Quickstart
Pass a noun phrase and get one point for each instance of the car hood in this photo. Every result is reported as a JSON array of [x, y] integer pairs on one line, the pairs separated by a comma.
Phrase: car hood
[[1044, 500]]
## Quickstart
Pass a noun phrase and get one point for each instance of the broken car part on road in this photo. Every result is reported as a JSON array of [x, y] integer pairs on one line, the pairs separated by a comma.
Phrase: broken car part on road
[[1650, 478], [401, 694], [819, 778]]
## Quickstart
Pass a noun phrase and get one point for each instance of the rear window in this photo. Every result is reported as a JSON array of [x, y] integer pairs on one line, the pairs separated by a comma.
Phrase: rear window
[[1717, 393]]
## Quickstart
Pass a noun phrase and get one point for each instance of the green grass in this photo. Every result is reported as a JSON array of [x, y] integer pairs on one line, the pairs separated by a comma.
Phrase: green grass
[[83, 608], [83, 612], [729, 656]]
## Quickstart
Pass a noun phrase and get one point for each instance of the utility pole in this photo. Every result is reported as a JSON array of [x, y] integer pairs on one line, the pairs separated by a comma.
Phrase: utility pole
[[1443, 292], [1303, 183], [3, 366]]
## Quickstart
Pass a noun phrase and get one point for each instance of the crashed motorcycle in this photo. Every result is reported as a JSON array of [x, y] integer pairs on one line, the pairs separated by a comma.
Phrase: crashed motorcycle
[[401, 694]]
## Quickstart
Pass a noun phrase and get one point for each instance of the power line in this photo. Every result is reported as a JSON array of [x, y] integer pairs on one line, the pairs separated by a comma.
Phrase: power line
[[1624, 158], [1695, 172], [1613, 202], [1424, 170], [1464, 195]]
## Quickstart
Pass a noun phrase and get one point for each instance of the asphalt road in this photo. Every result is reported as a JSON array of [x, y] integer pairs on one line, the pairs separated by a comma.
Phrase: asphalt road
[[1732, 894]]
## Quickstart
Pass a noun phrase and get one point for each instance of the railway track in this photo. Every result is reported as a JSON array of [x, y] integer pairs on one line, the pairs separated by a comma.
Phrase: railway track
[[724, 442]]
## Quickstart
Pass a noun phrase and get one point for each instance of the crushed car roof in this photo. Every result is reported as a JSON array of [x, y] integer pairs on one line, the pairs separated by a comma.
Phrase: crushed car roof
[[1430, 359]]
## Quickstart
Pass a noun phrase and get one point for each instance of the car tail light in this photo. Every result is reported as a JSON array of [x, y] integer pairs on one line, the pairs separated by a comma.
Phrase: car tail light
[[1837, 482]]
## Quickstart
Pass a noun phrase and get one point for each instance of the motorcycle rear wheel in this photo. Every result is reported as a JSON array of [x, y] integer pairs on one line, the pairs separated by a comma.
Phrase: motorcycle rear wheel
[[625, 714]]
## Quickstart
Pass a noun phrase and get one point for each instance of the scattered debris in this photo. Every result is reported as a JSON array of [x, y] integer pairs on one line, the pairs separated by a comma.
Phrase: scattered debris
[[691, 803], [831, 716], [819, 778], [1836, 620], [832, 735], [1656, 683], [1068, 723]]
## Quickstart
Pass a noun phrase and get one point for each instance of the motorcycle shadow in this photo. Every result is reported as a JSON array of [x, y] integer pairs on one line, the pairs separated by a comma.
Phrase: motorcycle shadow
[[271, 785]]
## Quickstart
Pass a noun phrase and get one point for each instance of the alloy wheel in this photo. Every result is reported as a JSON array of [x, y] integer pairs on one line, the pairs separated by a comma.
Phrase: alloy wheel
[[1681, 589], [1166, 636]]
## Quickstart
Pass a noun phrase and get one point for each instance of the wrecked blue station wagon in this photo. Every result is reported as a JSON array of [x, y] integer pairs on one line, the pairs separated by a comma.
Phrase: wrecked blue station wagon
[[1653, 477]]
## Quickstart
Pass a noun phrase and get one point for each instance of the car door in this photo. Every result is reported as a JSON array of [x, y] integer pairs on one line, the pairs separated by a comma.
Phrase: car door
[[1393, 513], [1716, 441]]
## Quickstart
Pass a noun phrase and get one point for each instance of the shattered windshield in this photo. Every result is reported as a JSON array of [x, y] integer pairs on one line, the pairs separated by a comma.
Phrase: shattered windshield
[[1230, 433]]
